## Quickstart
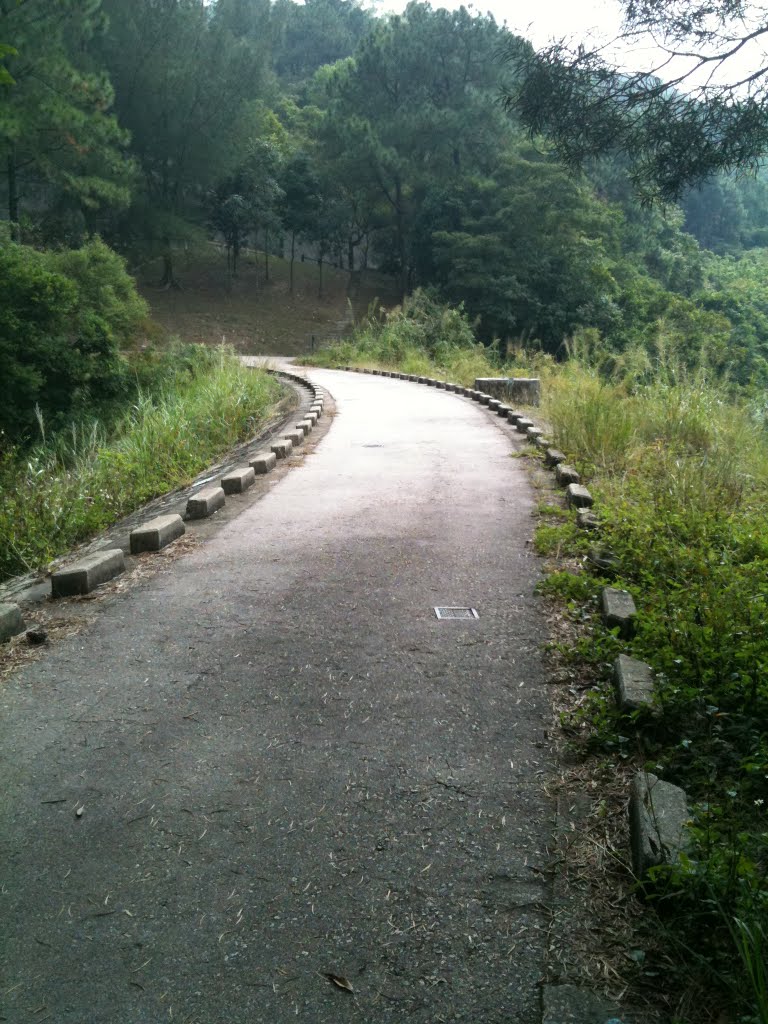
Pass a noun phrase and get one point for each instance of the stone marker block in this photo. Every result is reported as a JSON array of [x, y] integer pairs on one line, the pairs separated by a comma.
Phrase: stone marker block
[[238, 480], [634, 683], [569, 1004], [542, 442], [312, 417], [619, 610], [484, 399], [533, 433], [295, 437], [578, 496], [523, 424], [316, 410], [157, 534], [205, 503], [503, 410], [566, 475], [90, 572], [431, 383], [658, 816], [514, 415], [525, 390], [281, 449], [586, 520], [553, 457], [304, 426], [440, 385], [494, 404], [264, 462], [11, 621]]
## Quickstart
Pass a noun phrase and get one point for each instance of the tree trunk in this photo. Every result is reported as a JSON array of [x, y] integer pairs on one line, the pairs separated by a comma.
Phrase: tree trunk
[[293, 254], [320, 264], [168, 279], [13, 197], [266, 256], [351, 254], [400, 237], [235, 256]]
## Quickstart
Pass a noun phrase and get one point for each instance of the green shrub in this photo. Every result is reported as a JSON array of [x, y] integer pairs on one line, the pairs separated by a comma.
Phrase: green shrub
[[63, 316]]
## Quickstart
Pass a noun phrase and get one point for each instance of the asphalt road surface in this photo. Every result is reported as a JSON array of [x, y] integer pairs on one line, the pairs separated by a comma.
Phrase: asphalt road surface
[[287, 769]]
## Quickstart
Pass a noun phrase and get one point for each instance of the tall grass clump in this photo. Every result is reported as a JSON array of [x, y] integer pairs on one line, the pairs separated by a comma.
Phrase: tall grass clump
[[193, 405]]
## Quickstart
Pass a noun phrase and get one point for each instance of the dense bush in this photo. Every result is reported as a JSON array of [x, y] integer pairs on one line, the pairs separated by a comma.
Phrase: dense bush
[[63, 317]]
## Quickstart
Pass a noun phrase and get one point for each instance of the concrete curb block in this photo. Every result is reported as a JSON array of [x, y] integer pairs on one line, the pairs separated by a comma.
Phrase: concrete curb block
[[157, 534], [587, 520], [264, 462], [88, 573], [282, 449], [633, 682], [578, 496], [205, 503], [296, 437], [618, 609], [566, 475], [658, 819], [553, 457], [11, 621], [238, 480]]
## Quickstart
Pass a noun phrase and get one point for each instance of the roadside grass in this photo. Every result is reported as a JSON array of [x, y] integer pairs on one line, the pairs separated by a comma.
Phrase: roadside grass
[[680, 475], [68, 487], [253, 315], [678, 464]]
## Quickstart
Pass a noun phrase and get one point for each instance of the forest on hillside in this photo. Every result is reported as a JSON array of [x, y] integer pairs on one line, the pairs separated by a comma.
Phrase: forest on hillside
[[362, 140]]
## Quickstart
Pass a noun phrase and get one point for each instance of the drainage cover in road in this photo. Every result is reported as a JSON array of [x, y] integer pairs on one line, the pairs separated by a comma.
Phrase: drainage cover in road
[[456, 613]]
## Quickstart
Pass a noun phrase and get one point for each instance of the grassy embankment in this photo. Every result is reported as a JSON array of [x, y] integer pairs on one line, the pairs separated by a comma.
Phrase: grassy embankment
[[198, 403], [678, 464]]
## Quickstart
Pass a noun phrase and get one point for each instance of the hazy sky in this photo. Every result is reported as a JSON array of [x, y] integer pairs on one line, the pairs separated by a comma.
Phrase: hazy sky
[[544, 20], [539, 21]]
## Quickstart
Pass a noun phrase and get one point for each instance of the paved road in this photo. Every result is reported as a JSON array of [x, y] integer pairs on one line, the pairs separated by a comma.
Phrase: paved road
[[288, 767]]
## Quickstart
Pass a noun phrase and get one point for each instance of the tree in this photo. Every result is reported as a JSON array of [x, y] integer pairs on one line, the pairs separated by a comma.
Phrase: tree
[[58, 140], [696, 111], [301, 201], [527, 251], [415, 105], [182, 79], [248, 200]]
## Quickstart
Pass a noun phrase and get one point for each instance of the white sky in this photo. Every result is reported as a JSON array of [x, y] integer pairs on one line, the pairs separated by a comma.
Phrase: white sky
[[539, 21], [543, 21]]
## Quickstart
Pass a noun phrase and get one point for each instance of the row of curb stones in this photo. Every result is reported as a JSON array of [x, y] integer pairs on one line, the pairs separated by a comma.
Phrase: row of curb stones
[[86, 574], [658, 810]]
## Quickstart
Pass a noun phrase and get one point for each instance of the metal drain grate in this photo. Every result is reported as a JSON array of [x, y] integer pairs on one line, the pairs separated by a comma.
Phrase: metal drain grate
[[456, 613]]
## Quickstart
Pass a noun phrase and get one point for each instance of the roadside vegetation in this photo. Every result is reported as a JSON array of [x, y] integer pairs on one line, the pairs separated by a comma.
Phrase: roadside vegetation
[[677, 460], [92, 425]]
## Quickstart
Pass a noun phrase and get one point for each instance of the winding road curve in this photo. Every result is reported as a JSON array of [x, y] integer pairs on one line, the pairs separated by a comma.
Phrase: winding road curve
[[288, 768]]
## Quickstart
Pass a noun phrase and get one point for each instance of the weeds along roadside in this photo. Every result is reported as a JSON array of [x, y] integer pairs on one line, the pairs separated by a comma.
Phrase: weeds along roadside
[[679, 468], [679, 473], [190, 404]]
